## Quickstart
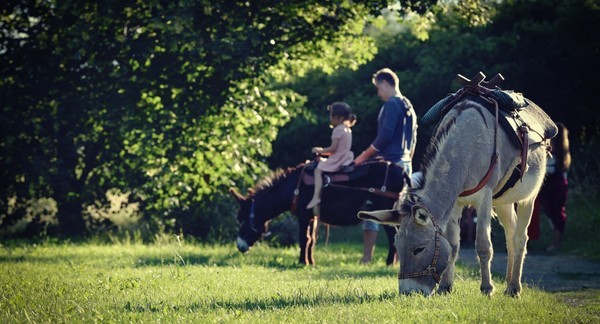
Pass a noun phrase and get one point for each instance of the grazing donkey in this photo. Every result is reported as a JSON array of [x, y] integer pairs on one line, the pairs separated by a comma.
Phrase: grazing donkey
[[373, 185], [458, 173]]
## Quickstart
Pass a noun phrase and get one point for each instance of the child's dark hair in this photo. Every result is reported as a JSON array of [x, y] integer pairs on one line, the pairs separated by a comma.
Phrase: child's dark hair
[[343, 110]]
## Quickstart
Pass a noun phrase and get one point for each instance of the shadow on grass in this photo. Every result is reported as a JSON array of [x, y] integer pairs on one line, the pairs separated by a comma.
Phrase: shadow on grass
[[278, 263], [299, 299]]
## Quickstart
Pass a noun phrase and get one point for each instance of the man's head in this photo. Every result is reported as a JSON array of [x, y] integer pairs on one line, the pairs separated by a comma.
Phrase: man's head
[[387, 83]]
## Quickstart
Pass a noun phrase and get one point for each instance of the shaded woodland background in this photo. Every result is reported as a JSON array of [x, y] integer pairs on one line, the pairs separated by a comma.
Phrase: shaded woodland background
[[137, 117]]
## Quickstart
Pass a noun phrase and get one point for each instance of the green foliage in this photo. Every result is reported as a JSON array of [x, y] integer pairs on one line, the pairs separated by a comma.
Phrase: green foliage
[[546, 49], [174, 102], [174, 281], [171, 101]]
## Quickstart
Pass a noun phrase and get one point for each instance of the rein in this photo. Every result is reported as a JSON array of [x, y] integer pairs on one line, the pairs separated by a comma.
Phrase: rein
[[272, 230], [380, 192]]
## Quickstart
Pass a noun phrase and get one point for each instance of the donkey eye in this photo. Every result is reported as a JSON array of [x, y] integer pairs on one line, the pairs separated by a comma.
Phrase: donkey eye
[[418, 250]]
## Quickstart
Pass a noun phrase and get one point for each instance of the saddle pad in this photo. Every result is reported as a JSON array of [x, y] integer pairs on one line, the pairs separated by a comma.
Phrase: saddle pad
[[360, 171], [507, 100], [514, 109], [541, 126]]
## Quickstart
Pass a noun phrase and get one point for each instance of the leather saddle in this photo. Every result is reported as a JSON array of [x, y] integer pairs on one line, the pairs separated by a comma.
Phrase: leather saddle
[[524, 121], [347, 173]]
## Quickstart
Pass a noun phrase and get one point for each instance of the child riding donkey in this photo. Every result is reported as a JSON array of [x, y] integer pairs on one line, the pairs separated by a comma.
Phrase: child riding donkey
[[339, 152]]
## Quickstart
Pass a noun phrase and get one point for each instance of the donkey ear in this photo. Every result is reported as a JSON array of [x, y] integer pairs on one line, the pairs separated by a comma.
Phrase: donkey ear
[[236, 195], [389, 217], [421, 216]]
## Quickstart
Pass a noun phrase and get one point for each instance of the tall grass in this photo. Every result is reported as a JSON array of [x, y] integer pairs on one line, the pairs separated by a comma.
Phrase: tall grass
[[176, 281]]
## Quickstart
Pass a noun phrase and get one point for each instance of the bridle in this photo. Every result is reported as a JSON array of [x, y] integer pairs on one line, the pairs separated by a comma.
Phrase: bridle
[[431, 269], [251, 218]]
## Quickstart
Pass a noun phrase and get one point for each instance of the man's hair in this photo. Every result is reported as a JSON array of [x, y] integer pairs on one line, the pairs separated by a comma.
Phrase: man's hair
[[386, 75]]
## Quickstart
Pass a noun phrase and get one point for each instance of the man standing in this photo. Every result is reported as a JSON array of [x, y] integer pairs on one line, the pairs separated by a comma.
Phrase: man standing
[[395, 141]]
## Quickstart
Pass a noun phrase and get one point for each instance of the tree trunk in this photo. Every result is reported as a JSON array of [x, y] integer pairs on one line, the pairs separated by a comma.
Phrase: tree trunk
[[70, 216]]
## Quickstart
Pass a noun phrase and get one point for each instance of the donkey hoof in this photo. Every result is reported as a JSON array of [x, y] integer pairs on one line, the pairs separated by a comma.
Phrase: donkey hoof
[[487, 290], [444, 289], [513, 292]]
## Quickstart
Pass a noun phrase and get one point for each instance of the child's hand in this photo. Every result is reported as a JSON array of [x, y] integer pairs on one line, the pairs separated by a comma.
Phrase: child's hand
[[317, 149]]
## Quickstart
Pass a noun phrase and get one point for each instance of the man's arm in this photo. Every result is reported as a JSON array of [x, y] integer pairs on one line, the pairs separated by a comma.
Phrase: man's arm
[[365, 155]]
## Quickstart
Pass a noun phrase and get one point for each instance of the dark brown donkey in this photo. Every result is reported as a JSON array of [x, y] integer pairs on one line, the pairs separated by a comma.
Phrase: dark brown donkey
[[371, 186]]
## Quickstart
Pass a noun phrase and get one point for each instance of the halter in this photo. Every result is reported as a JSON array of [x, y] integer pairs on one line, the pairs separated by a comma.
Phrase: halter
[[430, 270], [251, 216]]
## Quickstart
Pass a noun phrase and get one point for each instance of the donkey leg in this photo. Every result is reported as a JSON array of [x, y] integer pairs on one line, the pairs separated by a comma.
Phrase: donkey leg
[[303, 239], [508, 220], [483, 244], [311, 234], [453, 236], [390, 232], [524, 210]]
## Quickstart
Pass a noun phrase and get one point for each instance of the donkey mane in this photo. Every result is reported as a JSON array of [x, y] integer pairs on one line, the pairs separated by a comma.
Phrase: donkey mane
[[441, 134], [273, 179]]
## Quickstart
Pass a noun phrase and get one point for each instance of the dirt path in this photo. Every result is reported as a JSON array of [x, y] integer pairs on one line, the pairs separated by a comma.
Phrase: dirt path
[[550, 273]]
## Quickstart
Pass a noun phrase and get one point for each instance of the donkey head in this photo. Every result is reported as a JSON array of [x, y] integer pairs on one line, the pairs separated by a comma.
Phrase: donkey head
[[252, 224], [423, 251]]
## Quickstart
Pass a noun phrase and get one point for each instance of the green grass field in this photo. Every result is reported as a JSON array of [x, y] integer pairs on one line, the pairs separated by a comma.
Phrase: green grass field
[[178, 281]]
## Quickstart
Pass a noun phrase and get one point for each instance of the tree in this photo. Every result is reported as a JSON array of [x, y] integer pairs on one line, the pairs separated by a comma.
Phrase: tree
[[546, 49], [171, 101]]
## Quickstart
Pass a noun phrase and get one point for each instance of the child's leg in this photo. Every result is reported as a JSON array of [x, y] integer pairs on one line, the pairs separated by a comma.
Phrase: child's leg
[[316, 195]]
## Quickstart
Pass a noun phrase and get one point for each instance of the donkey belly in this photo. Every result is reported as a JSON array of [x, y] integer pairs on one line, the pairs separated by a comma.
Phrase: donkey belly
[[334, 216], [342, 210], [528, 187]]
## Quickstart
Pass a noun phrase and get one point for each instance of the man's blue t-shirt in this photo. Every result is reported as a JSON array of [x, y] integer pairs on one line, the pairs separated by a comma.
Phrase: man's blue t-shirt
[[396, 130]]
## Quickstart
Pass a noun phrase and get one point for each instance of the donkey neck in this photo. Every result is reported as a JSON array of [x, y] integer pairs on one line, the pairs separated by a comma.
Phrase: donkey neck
[[454, 158], [274, 199]]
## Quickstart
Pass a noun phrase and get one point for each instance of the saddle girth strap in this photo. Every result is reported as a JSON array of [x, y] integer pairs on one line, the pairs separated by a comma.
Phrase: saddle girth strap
[[524, 130], [494, 158]]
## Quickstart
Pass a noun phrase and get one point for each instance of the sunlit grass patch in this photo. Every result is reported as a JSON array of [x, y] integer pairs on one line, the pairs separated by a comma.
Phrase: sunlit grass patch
[[180, 282]]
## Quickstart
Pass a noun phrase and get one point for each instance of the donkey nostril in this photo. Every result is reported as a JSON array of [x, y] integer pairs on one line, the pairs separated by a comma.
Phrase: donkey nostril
[[418, 250]]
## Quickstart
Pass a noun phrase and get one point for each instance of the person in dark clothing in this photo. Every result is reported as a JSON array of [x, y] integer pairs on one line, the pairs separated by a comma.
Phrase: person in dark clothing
[[552, 198], [395, 141]]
